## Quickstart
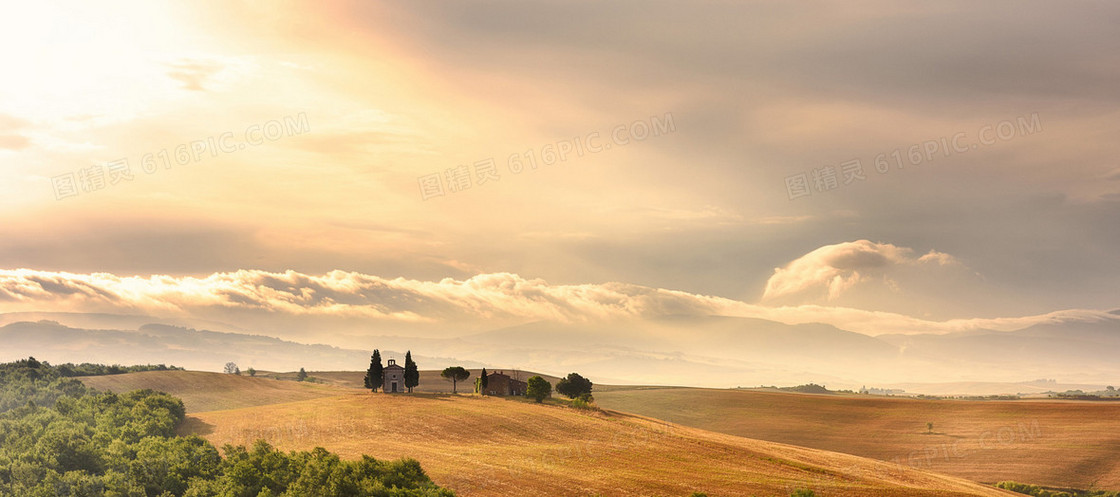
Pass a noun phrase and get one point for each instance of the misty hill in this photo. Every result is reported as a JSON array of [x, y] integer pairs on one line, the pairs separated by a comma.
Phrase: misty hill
[[728, 337], [691, 351], [679, 351], [185, 347], [108, 321], [730, 351], [1039, 351]]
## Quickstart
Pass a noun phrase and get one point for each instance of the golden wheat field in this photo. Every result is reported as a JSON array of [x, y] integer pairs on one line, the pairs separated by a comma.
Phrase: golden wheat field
[[492, 446], [203, 391], [1066, 444], [663, 441]]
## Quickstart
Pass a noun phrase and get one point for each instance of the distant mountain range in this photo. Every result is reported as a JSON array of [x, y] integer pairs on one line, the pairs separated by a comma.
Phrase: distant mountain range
[[186, 347], [694, 351]]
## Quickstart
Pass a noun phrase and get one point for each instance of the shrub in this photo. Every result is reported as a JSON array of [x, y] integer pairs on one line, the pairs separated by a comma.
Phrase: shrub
[[582, 404], [1034, 490]]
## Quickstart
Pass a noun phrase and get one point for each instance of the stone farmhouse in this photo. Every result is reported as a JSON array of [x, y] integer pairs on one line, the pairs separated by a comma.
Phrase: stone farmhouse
[[501, 384]]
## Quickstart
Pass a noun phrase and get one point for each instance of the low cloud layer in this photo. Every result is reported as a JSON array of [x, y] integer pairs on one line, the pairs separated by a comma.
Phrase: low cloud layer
[[316, 307], [500, 297]]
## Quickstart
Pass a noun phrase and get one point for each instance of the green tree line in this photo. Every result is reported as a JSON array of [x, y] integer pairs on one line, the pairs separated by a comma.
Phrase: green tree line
[[1037, 491], [88, 369]]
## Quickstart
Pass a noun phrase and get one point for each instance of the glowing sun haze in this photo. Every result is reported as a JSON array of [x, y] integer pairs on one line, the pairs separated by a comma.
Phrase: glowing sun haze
[[281, 163]]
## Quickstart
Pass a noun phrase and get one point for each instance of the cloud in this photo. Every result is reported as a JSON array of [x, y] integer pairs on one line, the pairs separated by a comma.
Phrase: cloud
[[194, 73], [10, 139], [303, 305], [882, 277], [14, 142], [835, 269], [499, 296]]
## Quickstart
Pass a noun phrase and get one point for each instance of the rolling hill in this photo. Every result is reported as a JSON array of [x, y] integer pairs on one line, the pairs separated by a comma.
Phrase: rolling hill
[[430, 379], [1056, 443], [203, 391], [483, 446], [480, 446]]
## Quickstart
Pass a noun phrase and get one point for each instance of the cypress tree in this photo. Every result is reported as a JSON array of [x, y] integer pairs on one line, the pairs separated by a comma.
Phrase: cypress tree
[[411, 373], [483, 381], [375, 375]]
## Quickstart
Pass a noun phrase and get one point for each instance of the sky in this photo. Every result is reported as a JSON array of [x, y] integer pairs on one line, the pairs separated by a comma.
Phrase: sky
[[886, 167]]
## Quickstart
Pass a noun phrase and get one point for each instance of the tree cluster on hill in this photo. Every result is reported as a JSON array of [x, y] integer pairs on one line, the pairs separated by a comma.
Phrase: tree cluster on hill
[[1109, 393], [64, 439], [30, 382], [87, 369], [1037, 491], [575, 386], [807, 388], [977, 397]]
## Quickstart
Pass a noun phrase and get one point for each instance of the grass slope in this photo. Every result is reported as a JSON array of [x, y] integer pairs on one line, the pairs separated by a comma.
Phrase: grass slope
[[494, 446], [203, 391], [1054, 443]]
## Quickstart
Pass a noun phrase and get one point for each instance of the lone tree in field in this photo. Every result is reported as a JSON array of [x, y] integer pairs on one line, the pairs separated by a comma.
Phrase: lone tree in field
[[929, 428], [231, 368], [455, 374], [375, 376], [411, 374], [538, 389], [574, 386], [301, 375], [252, 372]]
